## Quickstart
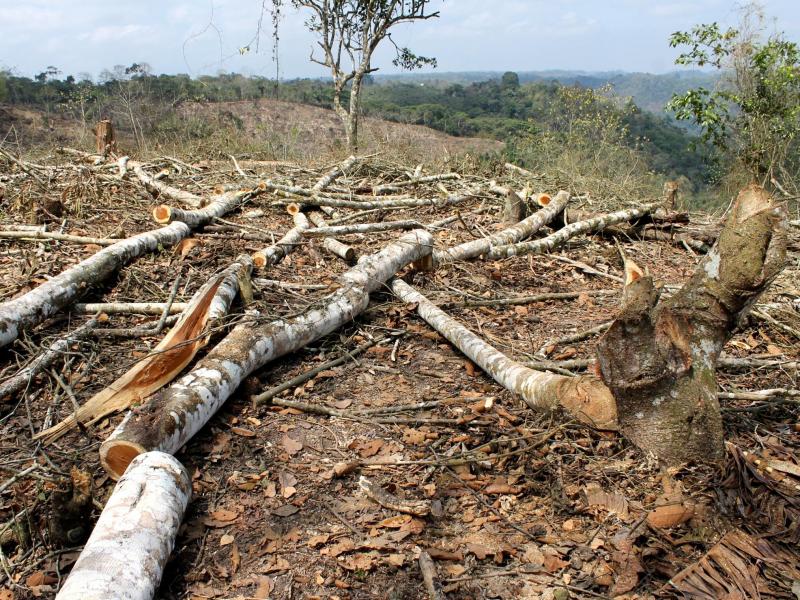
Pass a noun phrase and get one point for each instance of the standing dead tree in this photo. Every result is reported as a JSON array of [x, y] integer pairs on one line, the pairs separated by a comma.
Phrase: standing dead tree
[[349, 31]]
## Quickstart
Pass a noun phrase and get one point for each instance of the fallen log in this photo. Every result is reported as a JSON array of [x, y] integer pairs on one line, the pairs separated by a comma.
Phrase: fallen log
[[59, 348], [334, 174], [566, 233], [171, 418], [334, 230], [40, 303], [219, 205], [274, 253], [539, 390], [135, 534], [515, 233], [331, 244], [176, 350]]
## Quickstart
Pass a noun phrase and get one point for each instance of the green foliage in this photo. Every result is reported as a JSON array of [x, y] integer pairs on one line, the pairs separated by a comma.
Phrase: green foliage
[[755, 117]]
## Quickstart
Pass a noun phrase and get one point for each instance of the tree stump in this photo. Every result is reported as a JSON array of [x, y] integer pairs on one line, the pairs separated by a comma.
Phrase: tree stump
[[104, 138]]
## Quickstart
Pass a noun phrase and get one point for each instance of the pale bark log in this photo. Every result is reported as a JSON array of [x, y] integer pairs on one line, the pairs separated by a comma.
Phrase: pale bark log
[[57, 349], [219, 206], [397, 185], [52, 235], [582, 396], [334, 174], [160, 188], [272, 255], [171, 418], [125, 556], [34, 307], [523, 229], [566, 233], [519, 170], [129, 308], [334, 230], [332, 245], [679, 239]]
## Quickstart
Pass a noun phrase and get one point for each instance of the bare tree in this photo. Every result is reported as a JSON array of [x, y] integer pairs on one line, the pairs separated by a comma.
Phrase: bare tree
[[349, 31]]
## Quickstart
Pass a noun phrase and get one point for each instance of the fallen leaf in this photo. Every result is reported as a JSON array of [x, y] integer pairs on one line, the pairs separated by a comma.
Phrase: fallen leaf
[[612, 502], [243, 432], [185, 246], [342, 404], [265, 587], [318, 540], [226, 540], [479, 550], [396, 560], [236, 558], [287, 510], [40, 578], [670, 515], [291, 445], [370, 448]]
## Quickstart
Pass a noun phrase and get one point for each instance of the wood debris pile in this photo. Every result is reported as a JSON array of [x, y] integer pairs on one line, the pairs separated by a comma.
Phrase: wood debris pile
[[352, 433]]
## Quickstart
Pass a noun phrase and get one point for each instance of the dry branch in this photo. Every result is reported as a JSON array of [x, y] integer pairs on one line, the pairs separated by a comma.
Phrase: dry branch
[[159, 188], [132, 540], [171, 418], [332, 245], [274, 253], [51, 235], [515, 233], [566, 233], [219, 205], [334, 230], [129, 308], [59, 348]]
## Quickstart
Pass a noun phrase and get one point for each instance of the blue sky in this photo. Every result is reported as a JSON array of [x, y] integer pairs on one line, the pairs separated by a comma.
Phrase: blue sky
[[203, 36]]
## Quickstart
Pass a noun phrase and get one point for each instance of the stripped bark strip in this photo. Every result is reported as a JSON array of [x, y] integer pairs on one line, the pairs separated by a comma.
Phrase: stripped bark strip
[[171, 418], [135, 534], [332, 245], [539, 390], [273, 254], [34, 307], [154, 186], [219, 205], [570, 231], [57, 349], [525, 228]]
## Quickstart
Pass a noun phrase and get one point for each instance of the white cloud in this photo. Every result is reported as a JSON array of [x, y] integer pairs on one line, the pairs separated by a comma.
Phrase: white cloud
[[111, 33]]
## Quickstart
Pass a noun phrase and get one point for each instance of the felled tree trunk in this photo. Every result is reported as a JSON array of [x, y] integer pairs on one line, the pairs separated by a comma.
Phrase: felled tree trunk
[[171, 418], [129, 547], [659, 358], [40, 303]]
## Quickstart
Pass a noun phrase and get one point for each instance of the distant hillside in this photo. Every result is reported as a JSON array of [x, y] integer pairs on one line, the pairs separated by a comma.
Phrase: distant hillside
[[649, 91]]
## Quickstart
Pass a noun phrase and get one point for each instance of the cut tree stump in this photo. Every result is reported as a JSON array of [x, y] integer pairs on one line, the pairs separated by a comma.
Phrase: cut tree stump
[[659, 358], [129, 547], [104, 138]]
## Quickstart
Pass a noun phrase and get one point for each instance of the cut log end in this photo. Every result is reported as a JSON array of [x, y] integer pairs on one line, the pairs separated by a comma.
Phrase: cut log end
[[162, 214], [218, 190], [260, 260], [293, 208], [116, 455], [543, 199]]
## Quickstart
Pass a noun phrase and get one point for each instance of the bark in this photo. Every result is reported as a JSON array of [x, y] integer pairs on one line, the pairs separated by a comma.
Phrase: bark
[[135, 534], [42, 302], [57, 349], [272, 255], [659, 358], [398, 185], [171, 418], [585, 397], [525, 228], [573, 229], [332, 245], [219, 205], [680, 239]]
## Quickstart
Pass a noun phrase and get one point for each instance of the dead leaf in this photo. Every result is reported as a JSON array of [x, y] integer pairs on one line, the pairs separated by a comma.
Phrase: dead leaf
[[342, 404], [291, 445], [479, 550], [40, 578], [670, 515], [396, 560], [287, 510], [236, 558], [318, 540], [186, 245], [265, 587], [370, 448], [226, 540], [243, 432], [440, 554], [612, 502]]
